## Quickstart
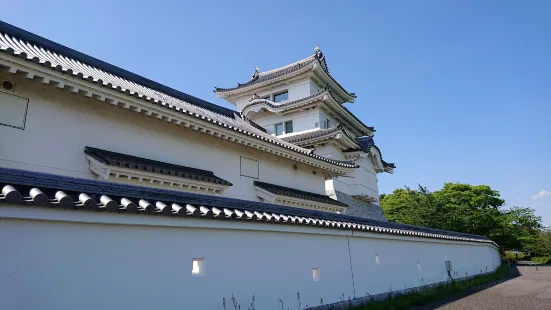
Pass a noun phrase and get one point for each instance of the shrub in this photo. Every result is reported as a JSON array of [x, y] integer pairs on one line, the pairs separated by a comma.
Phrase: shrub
[[542, 260]]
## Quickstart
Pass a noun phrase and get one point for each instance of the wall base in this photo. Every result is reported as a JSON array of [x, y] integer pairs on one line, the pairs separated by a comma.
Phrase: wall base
[[360, 208], [346, 304]]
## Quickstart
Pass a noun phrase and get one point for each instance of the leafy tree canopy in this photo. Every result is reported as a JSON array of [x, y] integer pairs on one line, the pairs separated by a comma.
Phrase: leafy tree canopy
[[474, 209]]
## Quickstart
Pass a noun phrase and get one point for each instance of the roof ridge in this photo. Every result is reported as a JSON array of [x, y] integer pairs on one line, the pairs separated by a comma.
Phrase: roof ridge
[[32, 48], [107, 67]]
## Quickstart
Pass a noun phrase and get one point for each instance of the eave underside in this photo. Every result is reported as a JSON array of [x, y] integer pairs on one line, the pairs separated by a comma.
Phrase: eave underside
[[81, 74], [27, 188], [314, 64]]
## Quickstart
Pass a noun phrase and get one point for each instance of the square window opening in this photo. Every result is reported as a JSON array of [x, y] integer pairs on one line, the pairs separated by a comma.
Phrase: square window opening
[[278, 129], [13, 110], [315, 274], [198, 267], [289, 127]]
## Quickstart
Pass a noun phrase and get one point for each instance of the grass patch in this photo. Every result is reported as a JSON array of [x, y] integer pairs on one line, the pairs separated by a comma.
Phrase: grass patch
[[542, 260], [436, 293], [515, 256]]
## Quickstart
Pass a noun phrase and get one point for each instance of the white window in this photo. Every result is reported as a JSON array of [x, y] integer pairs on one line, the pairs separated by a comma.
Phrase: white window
[[316, 274], [280, 128], [198, 267], [281, 96], [13, 110], [325, 123], [249, 168]]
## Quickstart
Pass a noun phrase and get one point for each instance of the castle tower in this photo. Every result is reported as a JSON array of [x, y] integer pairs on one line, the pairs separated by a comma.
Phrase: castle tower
[[302, 103]]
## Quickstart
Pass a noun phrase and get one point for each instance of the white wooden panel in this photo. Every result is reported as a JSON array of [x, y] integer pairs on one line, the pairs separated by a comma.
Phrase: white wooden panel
[[13, 110], [249, 167]]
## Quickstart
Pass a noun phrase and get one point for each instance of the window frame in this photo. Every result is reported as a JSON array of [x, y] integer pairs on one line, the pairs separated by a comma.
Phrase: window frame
[[285, 126], [280, 93], [275, 129]]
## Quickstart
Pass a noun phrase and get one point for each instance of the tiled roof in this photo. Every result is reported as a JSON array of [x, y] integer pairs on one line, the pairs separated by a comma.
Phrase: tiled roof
[[127, 161], [46, 190], [311, 134], [299, 102], [319, 134], [291, 192], [260, 77], [366, 143], [30, 47]]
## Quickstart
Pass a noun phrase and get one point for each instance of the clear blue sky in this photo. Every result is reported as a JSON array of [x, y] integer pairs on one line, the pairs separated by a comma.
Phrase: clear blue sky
[[459, 91]]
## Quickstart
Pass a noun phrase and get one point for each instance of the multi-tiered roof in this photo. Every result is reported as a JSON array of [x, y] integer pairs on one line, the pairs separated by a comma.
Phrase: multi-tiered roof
[[315, 64], [350, 134]]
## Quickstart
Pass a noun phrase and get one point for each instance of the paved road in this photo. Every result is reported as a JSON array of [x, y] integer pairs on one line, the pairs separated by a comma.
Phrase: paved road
[[531, 290]]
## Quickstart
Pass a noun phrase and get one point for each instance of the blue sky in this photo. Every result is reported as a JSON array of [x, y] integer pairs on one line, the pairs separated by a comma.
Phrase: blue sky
[[459, 91]]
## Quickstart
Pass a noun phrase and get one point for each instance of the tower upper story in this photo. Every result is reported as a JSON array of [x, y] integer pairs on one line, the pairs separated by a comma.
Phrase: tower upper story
[[300, 102]]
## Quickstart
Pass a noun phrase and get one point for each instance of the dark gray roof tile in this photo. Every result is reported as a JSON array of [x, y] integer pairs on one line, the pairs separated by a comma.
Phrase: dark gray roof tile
[[291, 192], [366, 143], [263, 77], [298, 101], [30, 47], [138, 163], [66, 192]]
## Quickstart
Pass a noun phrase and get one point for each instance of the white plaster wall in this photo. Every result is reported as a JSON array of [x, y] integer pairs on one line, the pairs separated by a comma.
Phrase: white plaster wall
[[362, 181], [302, 121], [63, 264], [329, 117], [313, 88], [297, 89], [329, 151], [398, 263], [60, 124]]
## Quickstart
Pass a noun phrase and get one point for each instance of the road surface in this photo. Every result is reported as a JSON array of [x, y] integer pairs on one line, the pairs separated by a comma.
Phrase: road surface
[[530, 290]]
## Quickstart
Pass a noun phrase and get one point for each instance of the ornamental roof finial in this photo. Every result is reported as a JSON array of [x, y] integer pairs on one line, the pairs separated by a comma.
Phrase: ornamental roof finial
[[317, 49], [256, 70]]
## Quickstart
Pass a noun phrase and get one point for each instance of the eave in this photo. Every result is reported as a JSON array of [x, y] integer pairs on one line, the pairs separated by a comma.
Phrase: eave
[[296, 202], [323, 97], [314, 64], [120, 174], [50, 63], [166, 112], [337, 135], [33, 193]]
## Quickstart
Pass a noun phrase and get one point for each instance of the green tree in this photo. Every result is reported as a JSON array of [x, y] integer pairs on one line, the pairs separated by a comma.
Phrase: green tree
[[474, 209]]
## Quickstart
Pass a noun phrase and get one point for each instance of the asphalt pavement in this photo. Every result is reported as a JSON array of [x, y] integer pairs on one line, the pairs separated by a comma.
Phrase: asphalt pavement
[[530, 290]]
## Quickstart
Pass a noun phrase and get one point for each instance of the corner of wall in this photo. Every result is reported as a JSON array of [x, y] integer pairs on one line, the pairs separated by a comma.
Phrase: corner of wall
[[360, 208]]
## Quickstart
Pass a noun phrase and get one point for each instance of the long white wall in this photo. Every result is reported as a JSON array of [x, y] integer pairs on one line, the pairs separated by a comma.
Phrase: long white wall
[[60, 124], [64, 259]]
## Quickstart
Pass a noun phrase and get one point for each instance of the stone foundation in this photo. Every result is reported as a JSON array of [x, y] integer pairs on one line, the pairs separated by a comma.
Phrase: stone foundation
[[360, 208]]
